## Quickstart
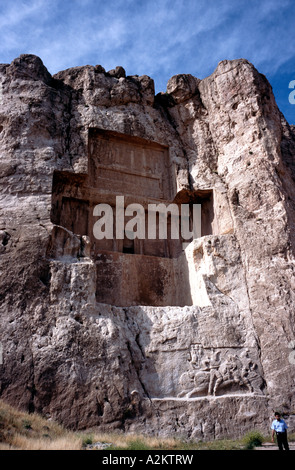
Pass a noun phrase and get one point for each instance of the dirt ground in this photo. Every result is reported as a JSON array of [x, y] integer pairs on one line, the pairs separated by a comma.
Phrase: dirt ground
[[272, 446]]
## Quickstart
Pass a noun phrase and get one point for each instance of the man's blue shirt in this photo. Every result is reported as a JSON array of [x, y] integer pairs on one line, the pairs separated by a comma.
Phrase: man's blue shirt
[[279, 426]]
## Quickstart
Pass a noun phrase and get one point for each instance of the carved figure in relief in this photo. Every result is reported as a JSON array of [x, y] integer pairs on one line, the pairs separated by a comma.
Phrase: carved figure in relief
[[211, 373], [251, 373], [216, 377], [196, 355], [230, 372], [195, 381]]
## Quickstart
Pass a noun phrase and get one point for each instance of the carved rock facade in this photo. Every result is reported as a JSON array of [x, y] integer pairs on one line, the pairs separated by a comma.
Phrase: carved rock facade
[[146, 335]]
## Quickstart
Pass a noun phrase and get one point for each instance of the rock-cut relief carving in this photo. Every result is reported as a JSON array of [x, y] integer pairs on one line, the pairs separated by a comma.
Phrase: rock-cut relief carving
[[220, 373]]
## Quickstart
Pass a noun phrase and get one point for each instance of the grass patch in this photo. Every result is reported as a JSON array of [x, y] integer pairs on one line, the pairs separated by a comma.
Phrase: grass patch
[[87, 440], [253, 439], [23, 431], [137, 443]]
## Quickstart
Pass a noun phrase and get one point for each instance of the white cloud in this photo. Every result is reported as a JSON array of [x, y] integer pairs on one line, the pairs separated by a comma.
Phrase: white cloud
[[14, 13], [159, 38]]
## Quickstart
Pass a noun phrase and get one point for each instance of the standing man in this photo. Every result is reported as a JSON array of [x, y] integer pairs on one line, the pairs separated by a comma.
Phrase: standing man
[[280, 428]]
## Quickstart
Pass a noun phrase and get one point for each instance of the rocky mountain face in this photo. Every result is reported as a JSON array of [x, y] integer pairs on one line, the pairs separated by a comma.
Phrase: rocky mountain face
[[154, 336]]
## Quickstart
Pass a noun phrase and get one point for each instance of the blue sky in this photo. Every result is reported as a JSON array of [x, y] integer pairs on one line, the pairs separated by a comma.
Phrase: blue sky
[[158, 38]]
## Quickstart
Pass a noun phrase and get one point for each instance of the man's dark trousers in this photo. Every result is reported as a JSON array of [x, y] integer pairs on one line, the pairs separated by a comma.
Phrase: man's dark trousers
[[282, 440]]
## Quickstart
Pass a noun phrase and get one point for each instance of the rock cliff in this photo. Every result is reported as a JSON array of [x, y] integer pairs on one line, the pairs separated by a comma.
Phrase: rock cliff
[[153, 337]]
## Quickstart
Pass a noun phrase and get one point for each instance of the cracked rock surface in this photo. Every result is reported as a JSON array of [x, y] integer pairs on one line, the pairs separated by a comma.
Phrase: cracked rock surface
[[193, 367]]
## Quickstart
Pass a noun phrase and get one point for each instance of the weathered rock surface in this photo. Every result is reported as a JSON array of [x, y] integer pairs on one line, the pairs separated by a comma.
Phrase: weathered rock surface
[[204, 337]]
